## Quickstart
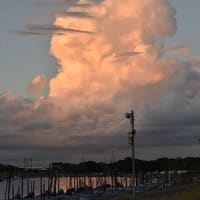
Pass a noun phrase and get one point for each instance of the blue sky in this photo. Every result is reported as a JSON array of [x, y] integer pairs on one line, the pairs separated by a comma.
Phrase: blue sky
[[188, 23], [23, 57]]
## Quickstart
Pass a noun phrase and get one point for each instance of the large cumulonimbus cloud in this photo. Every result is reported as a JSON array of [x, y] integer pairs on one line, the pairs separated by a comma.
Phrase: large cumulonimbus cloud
[[110, 61], [106, 70], [122, 65]]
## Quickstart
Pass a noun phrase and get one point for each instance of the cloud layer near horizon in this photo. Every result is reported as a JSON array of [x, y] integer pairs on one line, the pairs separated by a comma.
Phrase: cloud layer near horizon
[[120, 66]]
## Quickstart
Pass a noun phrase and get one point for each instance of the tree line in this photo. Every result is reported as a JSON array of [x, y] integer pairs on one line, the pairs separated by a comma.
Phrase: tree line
[[123, 166]]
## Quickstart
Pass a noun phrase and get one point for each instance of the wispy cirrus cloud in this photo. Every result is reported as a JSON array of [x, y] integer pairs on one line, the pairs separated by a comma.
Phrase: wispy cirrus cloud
[[45, 29], [76, 14], [52, 3]]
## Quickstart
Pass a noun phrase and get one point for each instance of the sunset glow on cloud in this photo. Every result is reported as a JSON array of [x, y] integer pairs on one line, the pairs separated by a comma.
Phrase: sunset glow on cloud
[[37, 85], [122, 54], [110, 59]]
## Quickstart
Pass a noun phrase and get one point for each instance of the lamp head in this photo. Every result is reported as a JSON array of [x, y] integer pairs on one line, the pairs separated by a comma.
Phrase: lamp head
[[128, 115]]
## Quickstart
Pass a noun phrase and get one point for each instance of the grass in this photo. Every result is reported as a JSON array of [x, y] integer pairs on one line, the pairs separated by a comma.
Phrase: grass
[[186, 193]]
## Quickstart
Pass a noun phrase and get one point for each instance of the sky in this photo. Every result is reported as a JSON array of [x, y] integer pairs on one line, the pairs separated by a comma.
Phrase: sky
[[69, 70]]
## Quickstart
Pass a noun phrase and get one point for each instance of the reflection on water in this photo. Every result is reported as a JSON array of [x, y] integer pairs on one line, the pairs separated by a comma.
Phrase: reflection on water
[[65, 183]]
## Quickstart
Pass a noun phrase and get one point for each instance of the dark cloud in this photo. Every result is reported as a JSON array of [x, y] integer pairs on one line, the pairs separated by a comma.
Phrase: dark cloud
[[77, 14], [178, 47], [83, 5], [52, 3], [171, 121], [37, 125], [96, 1], [175, 107], [39, 29]]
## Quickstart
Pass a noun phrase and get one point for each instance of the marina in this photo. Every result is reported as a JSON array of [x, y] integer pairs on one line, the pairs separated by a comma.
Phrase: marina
[[80, 187], [99, 100]]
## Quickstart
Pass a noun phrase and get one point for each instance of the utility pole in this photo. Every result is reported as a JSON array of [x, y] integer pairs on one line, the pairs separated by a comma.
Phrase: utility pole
[[132, 143]]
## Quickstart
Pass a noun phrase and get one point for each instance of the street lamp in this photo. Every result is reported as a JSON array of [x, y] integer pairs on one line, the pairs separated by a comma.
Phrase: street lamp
[[132, 141]]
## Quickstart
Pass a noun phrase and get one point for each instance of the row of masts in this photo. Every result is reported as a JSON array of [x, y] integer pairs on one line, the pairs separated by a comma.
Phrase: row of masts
[[54, 184]]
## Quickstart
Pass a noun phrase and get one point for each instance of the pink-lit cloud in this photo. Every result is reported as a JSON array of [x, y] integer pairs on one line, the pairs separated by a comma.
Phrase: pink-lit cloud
[[110, 60], [37, 85]]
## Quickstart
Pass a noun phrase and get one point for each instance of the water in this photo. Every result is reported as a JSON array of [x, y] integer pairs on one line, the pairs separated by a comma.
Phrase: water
[[64, 183]]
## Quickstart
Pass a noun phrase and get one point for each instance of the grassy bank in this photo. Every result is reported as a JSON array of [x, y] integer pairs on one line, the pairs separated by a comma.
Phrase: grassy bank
[[175, 193]]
